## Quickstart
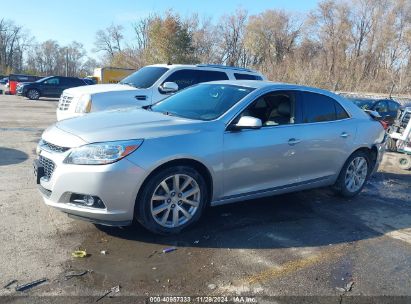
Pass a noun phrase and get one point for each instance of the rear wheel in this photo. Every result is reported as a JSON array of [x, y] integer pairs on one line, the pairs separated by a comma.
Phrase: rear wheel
[[404, 162], [33, 94], [354, 174], [391, 144], [171, 200]]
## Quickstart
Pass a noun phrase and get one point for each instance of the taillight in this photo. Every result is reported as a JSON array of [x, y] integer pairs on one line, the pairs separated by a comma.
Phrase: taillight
[[384, 124]]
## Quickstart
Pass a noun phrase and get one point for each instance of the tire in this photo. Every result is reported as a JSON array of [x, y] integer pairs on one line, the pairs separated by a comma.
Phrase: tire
[[342, 185], [404, 162], [33, 94], [173, 201], [391, 144]]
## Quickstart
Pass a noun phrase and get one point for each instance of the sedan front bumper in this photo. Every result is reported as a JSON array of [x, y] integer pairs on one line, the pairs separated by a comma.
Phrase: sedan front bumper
[[115, 184]]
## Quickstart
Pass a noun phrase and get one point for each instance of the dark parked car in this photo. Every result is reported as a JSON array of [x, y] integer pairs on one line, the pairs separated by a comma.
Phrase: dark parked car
[[387, 108], [4, 80], [51, 86]]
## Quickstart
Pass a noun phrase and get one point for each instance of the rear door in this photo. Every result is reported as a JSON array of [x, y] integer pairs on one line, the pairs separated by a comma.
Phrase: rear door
[[67, 83], [327, 136]]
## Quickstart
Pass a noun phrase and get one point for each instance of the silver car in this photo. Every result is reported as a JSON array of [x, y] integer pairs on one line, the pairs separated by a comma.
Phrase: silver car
[[211, 144]]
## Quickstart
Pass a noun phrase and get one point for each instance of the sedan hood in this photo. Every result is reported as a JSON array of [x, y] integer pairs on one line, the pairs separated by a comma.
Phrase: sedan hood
[[131, 123], [98, 88]]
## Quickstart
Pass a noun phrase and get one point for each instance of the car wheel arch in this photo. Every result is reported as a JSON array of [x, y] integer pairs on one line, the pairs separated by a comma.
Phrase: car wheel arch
[[36, 89], [197, 165], [371, 151]]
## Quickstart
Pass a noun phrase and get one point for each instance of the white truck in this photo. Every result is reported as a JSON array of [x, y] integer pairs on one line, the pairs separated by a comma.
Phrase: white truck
[[400, 137], [147, 86]]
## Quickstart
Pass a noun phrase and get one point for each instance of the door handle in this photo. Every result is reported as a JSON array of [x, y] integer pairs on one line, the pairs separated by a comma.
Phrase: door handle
[[344, 134], [140, 97], [293, 141]]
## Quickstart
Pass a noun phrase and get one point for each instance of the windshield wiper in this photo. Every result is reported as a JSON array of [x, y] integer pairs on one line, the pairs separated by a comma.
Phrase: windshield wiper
[[129, 84]]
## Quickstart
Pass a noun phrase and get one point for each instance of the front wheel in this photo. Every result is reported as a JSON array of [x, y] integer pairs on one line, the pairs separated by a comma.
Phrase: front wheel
[[171, 200], [391, 144], [404, 162], [33, 94], [353, 175]]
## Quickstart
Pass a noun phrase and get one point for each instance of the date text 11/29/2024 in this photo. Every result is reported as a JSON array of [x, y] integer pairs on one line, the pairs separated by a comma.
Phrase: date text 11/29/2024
[[202, 299]]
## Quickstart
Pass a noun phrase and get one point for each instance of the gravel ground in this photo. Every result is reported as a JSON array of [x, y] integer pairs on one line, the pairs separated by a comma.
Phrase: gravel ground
[[309, 243]]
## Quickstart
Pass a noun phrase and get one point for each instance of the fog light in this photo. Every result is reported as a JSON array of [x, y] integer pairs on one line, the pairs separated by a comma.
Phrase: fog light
[[87, 200]]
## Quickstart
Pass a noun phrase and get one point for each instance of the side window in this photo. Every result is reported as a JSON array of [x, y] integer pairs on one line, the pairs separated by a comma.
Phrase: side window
[[318, 107], [212, 76], [240, 76], [393, 106], [275, 108], [52, 81], [340, 112], [184, 78], [66, 81], [76, 82], [381, 106]]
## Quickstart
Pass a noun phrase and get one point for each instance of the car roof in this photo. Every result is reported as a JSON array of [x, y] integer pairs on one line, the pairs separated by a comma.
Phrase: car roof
[[206, 67], [258, 84]]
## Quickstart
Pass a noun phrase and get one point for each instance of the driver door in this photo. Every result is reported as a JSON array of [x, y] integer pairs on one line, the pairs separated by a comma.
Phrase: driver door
[[263, 159], [50, 87]]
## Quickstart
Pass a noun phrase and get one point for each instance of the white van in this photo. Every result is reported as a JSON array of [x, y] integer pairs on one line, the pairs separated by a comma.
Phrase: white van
[[147, 86]]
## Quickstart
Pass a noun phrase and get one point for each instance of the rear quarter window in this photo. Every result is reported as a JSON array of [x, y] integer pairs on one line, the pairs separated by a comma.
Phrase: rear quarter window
[[241, 76], [319, 108], [205, 76]]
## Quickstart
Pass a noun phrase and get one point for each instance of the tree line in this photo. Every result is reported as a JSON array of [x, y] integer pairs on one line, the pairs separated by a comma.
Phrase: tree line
[[350, 45], [21, 53]]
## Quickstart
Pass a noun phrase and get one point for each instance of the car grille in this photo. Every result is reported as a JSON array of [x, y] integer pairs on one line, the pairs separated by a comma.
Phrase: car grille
[[64, 102], [406, 118], [52, 148], [48, 166]]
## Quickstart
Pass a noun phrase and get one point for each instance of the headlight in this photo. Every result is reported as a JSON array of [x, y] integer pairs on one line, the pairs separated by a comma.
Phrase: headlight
[[102, 153], [38, 149], [84, 104]]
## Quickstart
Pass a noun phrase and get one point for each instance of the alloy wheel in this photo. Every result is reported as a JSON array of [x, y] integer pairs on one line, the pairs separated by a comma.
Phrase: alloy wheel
[[175, 200], [33, 94], [356, 174]]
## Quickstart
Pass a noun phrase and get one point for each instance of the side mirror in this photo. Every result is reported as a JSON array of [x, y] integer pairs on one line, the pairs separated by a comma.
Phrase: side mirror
[[387, 117], [247, 122], [169, 87]]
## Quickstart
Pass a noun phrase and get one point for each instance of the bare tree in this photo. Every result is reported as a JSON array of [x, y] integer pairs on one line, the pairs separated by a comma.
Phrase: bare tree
[[231, 46], [109, 40], [271, 36]]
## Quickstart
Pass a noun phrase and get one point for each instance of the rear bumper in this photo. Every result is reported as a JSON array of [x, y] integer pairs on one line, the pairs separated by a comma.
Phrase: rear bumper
[[380, 154]]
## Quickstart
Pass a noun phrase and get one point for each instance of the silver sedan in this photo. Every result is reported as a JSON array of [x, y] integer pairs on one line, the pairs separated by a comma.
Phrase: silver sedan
[[211, 144]]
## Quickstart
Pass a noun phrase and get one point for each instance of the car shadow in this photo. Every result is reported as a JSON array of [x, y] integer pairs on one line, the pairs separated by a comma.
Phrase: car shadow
[[308, 218], [11, 156], [49, 99]]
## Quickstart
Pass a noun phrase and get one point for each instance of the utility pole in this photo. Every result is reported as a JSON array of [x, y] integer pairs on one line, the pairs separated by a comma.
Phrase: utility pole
[[66, 61]]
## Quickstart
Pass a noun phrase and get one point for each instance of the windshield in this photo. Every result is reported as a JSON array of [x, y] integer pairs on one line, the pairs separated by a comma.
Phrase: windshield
[[364, 104], [144, 77], [203, 102]]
